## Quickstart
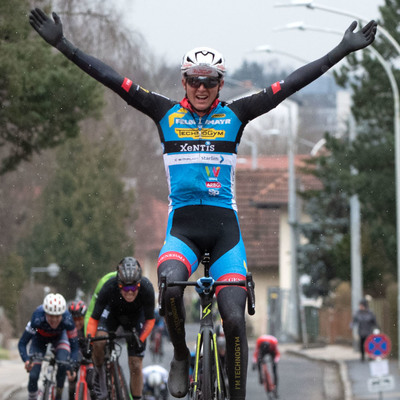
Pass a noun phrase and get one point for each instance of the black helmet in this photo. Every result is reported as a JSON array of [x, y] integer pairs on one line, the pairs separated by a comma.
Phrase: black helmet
[[77, 308], [129, 271]]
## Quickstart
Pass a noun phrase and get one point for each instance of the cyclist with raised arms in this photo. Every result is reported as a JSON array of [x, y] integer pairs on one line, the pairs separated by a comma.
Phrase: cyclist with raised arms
[[127, 301], [200, 136], [52, 323]]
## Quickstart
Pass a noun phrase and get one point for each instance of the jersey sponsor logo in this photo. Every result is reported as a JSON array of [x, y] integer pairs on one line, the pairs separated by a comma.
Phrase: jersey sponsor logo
[[219, 116], [276, 87], [213, 185], [126, 84], [197, 147], [195, 134], [179, 114], [183, 121], [173, 255], [213, 192], [214, 172]]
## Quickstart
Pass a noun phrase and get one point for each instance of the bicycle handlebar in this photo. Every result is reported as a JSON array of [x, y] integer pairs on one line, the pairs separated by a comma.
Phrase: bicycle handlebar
[[111, 337], [208, 287], [50, 359]]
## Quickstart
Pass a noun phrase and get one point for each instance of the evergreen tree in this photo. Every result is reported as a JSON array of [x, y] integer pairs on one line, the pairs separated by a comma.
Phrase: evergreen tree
[[43, 96], [12, 280], [83, 226]]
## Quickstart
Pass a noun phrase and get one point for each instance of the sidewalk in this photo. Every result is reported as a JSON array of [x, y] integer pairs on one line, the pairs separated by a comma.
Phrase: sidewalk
[[353, 373], [12, 372]]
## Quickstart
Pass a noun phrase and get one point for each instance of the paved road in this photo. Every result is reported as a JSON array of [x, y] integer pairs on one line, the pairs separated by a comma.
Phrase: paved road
[[300, 378]]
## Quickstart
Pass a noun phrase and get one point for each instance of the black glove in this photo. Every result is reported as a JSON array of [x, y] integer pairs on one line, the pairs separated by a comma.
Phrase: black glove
[[140, 346], [353, 41], [361, 39], [51, 32]]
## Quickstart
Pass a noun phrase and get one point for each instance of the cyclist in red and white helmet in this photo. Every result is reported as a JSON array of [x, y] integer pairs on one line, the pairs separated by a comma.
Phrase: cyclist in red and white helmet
[[200, 136], [51, 323]]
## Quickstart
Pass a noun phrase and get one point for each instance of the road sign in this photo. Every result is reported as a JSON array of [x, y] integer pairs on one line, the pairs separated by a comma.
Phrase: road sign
[[378, 345], [381, 384]]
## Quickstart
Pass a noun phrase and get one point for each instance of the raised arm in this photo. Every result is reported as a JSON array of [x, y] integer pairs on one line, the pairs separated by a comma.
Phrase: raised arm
[[52, 32], [352, 41]]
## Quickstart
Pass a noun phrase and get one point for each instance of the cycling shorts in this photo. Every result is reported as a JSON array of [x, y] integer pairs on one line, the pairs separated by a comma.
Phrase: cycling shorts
[[194, 230], [110, 323]]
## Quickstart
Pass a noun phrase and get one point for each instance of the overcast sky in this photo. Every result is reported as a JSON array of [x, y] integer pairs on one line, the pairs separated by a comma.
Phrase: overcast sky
[[234, 27]]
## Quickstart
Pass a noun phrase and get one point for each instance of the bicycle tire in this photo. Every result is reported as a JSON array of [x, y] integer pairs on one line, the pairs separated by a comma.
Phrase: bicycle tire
[[49, 392], [125, 390], [81, 391], [207, 382], [267, 382], [116, 392]]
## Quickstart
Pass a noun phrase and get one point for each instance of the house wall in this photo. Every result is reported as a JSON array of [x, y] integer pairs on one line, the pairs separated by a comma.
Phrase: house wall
[[258, 323]]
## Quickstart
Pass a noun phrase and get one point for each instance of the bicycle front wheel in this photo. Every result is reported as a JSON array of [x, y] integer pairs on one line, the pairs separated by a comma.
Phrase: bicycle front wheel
[[49, 392], [207, 381], [120, 387]]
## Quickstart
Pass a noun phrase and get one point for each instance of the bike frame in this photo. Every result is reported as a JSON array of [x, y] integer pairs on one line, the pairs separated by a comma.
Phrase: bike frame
[[81, 388], [209, 380]]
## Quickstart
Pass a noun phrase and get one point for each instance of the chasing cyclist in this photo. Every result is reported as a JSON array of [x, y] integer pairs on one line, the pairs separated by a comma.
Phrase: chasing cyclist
[[50, 323], [126, 300], [267, 345], [78, 310], [200, 136]]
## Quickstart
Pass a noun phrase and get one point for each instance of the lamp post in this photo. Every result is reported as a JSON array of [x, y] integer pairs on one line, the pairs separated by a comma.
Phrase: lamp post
[[312, 6], [52, 270]]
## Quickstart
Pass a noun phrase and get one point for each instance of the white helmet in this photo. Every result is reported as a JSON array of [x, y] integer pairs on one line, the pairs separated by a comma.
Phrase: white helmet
[[54, 304], [203, 61]]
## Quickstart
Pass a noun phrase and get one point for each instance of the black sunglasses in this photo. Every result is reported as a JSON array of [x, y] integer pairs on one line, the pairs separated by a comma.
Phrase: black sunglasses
[[196, 81]]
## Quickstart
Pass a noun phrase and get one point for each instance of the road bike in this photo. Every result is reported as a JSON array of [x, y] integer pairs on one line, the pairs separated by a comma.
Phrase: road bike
[[48, 385], [117, 386], [209, 380], [266, 373]]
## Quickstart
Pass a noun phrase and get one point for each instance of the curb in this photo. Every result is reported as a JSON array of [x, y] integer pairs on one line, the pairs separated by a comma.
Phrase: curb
[[342, 369], [10, 392]]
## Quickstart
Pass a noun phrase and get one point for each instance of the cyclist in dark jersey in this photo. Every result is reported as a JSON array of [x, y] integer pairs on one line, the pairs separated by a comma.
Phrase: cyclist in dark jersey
[[200, 136], [126, 300]]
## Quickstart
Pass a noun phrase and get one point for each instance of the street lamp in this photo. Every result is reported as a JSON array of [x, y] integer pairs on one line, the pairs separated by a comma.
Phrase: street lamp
[[310, 4], [268, 49], [52, 270]]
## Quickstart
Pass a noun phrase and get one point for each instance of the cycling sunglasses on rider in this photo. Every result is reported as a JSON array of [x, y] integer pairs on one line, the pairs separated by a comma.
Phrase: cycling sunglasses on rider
[[129, 288], [196, 81]]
